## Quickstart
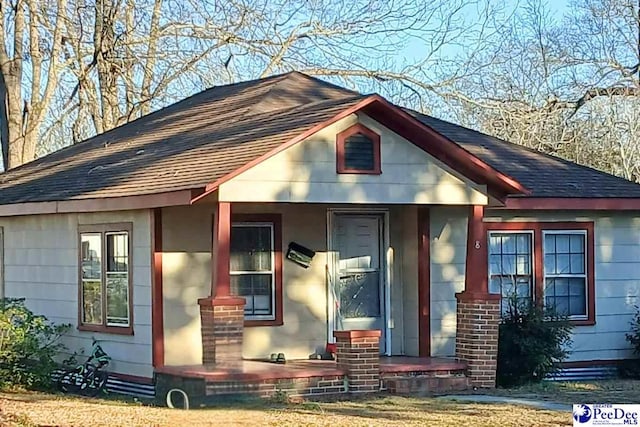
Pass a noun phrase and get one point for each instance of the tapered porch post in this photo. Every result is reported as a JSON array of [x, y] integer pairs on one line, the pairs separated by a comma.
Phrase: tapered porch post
[[478, 311], [221, 314], [221, 247]]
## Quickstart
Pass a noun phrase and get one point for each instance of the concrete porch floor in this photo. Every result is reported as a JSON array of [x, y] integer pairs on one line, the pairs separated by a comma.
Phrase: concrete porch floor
[[247, 370]]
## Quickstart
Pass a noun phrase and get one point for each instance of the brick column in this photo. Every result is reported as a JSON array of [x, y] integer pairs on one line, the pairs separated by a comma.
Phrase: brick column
[[358, 354], [478, 318], [222, 321]]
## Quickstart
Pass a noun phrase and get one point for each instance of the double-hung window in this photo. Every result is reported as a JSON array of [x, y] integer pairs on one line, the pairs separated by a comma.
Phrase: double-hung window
[[255, 266], [105, 278], [511, 266], [565, 271], [548, 262]]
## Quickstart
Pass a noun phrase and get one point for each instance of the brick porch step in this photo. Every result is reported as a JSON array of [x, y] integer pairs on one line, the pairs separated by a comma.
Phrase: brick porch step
[[426, 384]]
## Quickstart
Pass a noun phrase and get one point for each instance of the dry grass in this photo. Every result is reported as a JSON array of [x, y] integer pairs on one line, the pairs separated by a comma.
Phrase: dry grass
[[609, 391], [28, 409]]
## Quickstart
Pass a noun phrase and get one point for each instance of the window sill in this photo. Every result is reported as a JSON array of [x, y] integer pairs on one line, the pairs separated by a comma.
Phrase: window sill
[[276, 322], [360, 172], [583, 322], [106, 329]]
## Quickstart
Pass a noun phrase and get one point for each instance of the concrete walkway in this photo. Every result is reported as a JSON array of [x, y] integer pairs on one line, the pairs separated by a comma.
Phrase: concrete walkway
[[485, 398]]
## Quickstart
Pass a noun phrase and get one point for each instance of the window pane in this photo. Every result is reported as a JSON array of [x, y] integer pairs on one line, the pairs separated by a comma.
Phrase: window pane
[[561, 285], [562, 243], [92, 302], [561, 305], [495, 244], [495, 264], [577, 306], [550, 243], [118, 299], [577, 263], [256, 289], [524, 243], [117, 252], [91, 254], [509, 244], [577, 286], [358, 152], [251, 248], [523, 267], [360, 295], [495, 285], [508, 287], [523, 287], [508, 264], [562, 264], [550, 264], [577, 243]]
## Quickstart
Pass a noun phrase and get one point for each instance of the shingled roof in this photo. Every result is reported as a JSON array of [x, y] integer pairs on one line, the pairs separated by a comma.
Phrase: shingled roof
[[542, 174], [211, 134]]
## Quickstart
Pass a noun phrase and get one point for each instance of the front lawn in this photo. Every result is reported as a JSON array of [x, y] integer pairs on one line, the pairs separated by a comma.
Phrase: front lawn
[[27, 409], [608, 391]]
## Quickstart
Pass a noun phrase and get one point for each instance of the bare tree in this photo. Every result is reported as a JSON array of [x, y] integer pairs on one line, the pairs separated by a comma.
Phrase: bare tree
[[20, 115], [73, 68], [567, 86]]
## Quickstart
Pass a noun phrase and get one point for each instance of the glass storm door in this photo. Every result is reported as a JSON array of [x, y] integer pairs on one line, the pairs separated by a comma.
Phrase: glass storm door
[[360, 291]]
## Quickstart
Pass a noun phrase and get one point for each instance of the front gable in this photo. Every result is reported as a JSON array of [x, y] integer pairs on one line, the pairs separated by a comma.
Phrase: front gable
[[309, 172]]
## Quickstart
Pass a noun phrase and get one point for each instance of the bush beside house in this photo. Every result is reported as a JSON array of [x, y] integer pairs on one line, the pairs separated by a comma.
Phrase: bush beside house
[[29, 344], [532, 342]]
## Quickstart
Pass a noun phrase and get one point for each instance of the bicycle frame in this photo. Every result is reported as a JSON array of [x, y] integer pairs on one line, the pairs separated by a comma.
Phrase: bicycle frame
[[88, 377]]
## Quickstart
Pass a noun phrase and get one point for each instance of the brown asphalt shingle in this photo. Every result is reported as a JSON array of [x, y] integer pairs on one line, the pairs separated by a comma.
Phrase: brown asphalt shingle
[[209, 135], [186, 145], [543, 175]]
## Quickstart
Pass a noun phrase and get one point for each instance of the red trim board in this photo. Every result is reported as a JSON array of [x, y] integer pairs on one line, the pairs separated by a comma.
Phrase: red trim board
[[157, 310], [424, 282]]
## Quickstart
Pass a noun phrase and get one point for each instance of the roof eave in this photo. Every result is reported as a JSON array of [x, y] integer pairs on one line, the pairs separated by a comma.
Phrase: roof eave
[[102, 204], [572, 203]]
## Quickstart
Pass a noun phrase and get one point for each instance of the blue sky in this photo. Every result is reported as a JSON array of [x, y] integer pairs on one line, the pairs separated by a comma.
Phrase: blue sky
[[415, 50]]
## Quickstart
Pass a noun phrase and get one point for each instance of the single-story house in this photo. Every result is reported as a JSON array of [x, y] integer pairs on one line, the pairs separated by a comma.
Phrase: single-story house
[[284, 214]]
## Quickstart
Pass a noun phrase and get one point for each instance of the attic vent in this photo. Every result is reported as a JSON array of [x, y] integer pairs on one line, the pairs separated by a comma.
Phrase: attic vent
[[358, 151]]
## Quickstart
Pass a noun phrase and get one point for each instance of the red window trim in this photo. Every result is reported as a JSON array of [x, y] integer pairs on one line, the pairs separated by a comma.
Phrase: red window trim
[[276, 220], [102, 229], [341, 139], [538, 273]]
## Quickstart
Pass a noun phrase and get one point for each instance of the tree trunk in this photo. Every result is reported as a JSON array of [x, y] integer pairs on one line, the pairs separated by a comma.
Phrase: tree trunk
[[105, 55], [14, 122], [4, 123]]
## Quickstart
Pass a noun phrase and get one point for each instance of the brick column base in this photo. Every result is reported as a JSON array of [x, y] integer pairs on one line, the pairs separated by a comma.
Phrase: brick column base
[[478, 318], [222, 321], [358, 354]]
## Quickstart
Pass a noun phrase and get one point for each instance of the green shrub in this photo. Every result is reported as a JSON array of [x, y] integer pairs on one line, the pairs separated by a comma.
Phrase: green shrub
[[531, 343], [631, 368], [28, 346], [634, 336]]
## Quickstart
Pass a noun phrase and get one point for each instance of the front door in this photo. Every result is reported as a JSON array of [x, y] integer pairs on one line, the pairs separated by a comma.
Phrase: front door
[[359, 273]]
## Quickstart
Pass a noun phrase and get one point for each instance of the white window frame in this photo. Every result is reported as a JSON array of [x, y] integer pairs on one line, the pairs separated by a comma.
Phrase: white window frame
[[272, 273], [532, 270], [584, 275], [102, 231], [106, 235]]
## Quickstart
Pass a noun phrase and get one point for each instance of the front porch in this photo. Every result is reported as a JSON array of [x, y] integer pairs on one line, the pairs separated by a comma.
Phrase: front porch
[[209, 347], [308, 378]]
